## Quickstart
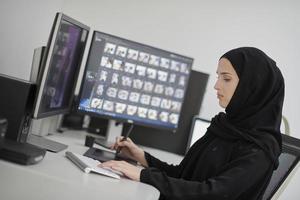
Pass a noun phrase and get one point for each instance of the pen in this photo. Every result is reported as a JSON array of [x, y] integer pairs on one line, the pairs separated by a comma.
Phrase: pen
[[125, 138]]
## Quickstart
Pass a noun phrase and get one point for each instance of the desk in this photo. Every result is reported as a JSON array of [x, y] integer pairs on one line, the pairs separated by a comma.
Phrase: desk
[[56, 177]]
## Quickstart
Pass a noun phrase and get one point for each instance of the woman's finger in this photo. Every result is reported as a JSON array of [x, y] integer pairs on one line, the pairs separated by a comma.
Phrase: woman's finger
[[108, 163], [119, 138]]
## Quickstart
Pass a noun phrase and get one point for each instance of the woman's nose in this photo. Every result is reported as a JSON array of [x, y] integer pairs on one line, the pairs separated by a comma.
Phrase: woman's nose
[[216, 86]]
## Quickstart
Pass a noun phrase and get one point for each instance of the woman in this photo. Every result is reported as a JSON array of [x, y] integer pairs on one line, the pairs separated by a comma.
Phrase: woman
[[236, 157]]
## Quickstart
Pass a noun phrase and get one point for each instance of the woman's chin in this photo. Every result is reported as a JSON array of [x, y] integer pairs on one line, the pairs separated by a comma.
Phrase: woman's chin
[[222, 104]]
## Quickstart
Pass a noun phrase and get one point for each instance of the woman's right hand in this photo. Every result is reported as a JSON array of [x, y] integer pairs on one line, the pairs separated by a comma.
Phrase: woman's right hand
[[130, 149]]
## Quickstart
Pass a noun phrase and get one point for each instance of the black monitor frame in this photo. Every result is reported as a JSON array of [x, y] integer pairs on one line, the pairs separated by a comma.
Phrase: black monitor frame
[[46, 62], [121, 119]]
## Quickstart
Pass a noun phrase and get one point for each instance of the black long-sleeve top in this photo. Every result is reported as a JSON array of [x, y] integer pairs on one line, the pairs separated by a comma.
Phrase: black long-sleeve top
[[218, 169]]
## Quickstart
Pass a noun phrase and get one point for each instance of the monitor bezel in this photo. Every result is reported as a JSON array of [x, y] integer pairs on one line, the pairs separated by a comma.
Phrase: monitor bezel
[[45, 66], [122, 119]]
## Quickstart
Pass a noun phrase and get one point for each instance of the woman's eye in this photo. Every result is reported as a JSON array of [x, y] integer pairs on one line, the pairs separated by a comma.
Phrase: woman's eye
[[227, 79]]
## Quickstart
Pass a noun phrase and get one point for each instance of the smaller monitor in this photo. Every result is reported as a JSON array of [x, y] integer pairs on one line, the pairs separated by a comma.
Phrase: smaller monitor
[[198, 130], [133, 82], [60, 67]]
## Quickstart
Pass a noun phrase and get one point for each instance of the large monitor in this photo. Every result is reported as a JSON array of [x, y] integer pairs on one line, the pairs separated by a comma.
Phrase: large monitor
[[133, 82], [60, 67]]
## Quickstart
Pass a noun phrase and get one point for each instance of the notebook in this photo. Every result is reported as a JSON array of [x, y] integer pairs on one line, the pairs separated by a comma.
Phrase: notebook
[[88, 165]]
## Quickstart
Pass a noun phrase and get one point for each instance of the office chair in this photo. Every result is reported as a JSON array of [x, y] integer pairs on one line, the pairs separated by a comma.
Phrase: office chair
[[285, 127], [288, 159]]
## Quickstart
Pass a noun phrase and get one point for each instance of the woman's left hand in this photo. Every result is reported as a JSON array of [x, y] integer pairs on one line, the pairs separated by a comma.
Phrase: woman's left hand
[[127, 169]]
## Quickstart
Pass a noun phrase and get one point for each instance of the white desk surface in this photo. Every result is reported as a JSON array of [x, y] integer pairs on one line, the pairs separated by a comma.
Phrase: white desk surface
[[56, 177]]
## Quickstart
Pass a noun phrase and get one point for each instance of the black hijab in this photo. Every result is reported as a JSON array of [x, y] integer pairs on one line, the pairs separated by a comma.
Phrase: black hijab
[[255, 110]]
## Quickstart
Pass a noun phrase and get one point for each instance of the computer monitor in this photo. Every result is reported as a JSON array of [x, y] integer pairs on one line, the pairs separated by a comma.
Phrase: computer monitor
[[57, 76], [60, 67], [198, 130], [52, 94], [133, 82]]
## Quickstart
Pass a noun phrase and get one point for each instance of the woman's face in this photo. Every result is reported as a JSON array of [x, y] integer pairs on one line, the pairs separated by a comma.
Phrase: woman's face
[[227, 82]]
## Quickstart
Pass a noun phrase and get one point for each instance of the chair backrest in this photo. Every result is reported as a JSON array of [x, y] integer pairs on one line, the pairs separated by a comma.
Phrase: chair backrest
[[288, 160], [285, 127]]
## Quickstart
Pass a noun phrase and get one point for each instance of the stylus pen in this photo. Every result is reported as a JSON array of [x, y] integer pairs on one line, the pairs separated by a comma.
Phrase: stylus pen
[[125, 137]]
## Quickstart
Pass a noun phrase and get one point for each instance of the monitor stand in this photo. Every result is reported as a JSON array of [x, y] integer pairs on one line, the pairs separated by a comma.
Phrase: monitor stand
[[39, 129], [114, 130], [45, 143]]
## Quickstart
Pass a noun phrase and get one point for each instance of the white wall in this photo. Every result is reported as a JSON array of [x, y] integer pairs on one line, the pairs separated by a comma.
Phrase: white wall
[[25, 25], [201, 29]]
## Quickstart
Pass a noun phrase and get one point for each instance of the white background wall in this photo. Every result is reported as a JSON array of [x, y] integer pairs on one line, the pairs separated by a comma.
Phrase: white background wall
[[201, 29], [24, 25]]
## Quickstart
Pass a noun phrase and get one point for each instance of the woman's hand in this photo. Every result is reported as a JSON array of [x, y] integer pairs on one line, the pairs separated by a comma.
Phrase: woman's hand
[[124, 167], [128, 148]]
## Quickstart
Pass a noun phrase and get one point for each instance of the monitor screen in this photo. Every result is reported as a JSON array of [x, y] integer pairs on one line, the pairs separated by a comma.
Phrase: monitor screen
[[133, 82], [60, 66], [198, 130]]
